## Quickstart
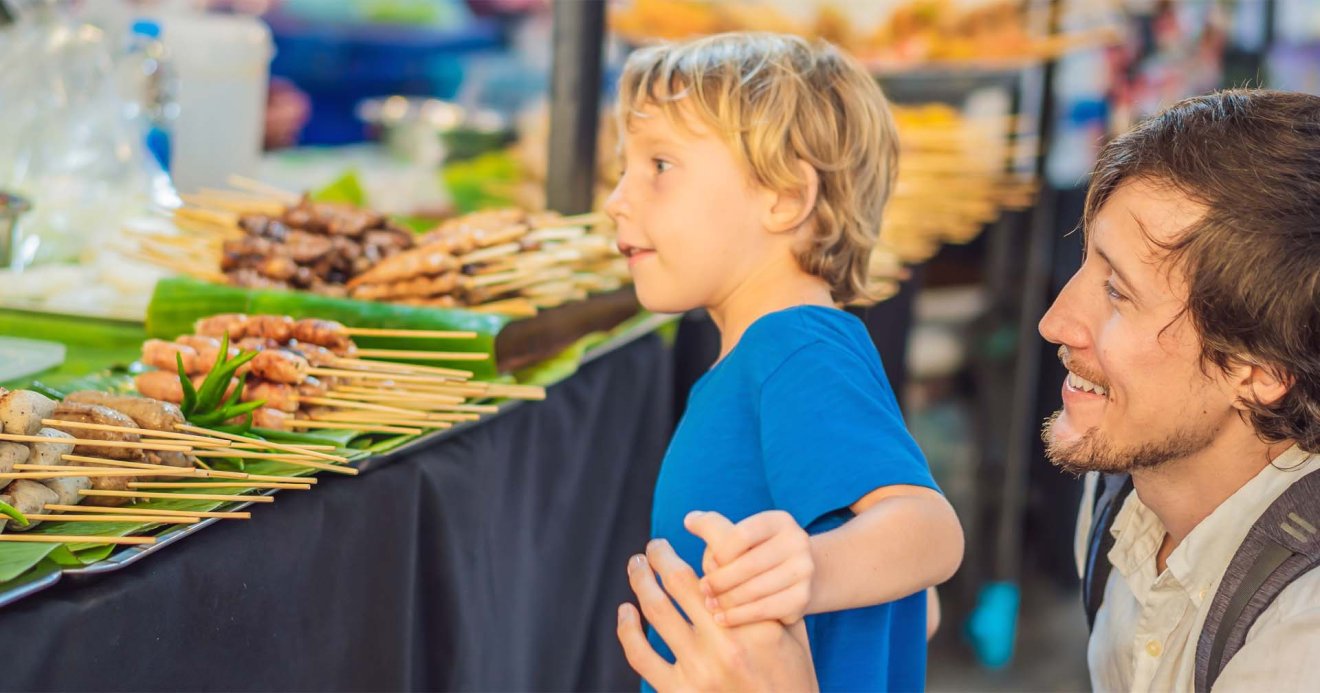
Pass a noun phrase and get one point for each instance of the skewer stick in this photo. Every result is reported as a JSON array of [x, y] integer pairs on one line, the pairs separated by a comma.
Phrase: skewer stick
[[514, 307], [368, 394], [423, 355], [301, 446], [17, 438], [288, 459], [374, 375], [144, 432], [346, 404], [251, 455], [390, 416], [345, 426], [173, 496], [166, 514], [405, 368], [419, 334], [218, 484], [269, 445], [84, 471], [164, 468], [160, 519], [422, 426], [74, 539], [433, 403], [382, 419]]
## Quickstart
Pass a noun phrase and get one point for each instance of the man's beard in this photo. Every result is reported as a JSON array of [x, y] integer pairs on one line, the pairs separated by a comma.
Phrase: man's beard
[[1093, 453]]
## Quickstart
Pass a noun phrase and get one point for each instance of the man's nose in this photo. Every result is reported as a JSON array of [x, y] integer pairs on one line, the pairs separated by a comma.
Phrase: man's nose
[[1065, 321]]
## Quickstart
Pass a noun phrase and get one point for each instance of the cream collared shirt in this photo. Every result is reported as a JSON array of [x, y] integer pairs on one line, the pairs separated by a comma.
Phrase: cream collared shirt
[[1146, 633]]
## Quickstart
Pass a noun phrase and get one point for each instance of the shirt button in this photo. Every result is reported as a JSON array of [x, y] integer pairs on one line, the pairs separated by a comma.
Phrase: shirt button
[[1153, 648]]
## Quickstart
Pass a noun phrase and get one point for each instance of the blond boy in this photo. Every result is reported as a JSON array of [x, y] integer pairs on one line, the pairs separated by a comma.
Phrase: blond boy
[[756, 167]]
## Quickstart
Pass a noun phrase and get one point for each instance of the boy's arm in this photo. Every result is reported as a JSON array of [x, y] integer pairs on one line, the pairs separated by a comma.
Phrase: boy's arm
[[902, 540]]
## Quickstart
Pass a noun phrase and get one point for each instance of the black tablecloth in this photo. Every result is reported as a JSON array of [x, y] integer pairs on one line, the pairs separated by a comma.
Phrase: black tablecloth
[[493, 561]]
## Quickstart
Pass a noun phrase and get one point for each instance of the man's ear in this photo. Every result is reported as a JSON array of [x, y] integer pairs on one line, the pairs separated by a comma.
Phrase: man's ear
[[789, 209], [1259, 383]]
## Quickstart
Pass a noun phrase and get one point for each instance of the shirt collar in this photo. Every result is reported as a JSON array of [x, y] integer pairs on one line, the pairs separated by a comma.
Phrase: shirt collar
[[1201, 559]]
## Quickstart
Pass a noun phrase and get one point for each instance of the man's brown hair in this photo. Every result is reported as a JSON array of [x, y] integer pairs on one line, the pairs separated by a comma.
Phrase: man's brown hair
[[1252, 262]]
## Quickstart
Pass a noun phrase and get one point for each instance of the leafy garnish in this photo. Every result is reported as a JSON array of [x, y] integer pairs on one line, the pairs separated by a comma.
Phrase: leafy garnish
[[12, 513], [213, 404]]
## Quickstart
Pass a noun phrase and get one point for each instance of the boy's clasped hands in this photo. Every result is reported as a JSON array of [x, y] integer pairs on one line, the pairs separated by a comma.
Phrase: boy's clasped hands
[[759, 569]]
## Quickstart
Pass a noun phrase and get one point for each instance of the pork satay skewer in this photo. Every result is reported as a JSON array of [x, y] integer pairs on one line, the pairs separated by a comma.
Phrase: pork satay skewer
[[74, 539], [348, 374], [160, 495], [79, 472], [447, 374], [14, 438], [151, 512], [411, 334], [144, 432], [198, 472]]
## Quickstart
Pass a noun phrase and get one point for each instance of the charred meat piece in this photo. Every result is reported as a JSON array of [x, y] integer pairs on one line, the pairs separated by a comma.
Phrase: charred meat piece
[[30, 498], [233, 324], [164, 355], [78, 412], [326, 333], [21, 411], [147, 413], [12, 454], [280, 366], [161, 385], [281, 396]]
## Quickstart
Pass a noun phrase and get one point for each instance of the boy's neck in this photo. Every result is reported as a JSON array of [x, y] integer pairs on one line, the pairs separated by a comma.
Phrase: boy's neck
[[772, 288]]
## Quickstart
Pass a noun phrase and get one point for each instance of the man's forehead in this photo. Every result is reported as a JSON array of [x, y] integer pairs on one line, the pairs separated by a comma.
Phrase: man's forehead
[[1158, 212]]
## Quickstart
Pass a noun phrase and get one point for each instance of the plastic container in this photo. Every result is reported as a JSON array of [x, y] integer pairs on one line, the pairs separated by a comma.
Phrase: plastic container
[[223, 67]]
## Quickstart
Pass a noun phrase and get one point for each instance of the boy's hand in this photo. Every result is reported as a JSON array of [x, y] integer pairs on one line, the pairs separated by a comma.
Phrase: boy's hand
[[757, 570]]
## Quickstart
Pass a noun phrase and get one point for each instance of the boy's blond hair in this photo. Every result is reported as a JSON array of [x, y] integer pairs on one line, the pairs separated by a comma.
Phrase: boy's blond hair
[[778, 100]]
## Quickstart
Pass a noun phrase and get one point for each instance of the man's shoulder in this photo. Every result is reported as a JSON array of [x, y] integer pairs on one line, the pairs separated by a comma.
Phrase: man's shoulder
[[1298, 602]]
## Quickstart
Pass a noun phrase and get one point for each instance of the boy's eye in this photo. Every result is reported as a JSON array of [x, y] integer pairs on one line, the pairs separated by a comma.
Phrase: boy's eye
[[1114, 294], [661, 165]]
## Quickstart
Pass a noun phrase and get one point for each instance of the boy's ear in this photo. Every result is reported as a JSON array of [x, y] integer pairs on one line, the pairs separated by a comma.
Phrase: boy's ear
[[789, 209]]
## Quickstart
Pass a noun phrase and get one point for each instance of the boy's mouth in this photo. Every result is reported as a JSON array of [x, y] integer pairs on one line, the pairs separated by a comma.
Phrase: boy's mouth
[[634, 253]]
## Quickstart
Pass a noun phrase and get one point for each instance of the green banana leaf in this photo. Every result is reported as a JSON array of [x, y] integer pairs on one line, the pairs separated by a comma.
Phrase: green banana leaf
[[346, 189], [178, 303], [93, 344]]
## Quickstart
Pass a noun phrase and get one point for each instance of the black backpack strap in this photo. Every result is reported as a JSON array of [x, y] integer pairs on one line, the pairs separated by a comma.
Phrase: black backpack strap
[[1114, 489], [1282, 545]]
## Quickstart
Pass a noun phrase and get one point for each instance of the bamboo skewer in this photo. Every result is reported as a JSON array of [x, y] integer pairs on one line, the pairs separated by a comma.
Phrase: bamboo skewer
[[167, 514], [164, 468], [62, 472], [18, 438], [369, 394], [344, 426], [435, 403], [423, 355], [159, 519], [74, 539], [300, 446], [375, 375], [144, 432], [369, 420], [450, 374], [419, 334], [387, 416], [367, 406], [265, 444], [174, 496], [219, 484], [284, 459]]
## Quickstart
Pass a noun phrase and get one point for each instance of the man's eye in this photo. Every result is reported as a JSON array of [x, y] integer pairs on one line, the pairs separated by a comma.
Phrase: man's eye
[[1114, 294]]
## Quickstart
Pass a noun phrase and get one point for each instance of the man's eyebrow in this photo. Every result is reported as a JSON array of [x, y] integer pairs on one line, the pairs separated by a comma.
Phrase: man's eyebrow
[[1122, 276]]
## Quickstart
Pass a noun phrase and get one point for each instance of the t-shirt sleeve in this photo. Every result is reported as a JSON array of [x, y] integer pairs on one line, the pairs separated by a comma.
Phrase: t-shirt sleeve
[[831, 432]]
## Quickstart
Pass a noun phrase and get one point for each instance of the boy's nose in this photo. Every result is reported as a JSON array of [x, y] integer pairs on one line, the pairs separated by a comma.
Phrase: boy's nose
[[614, 205]]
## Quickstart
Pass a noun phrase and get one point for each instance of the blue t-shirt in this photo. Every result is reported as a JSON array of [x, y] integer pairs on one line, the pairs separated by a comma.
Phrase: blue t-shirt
[[800, 417]]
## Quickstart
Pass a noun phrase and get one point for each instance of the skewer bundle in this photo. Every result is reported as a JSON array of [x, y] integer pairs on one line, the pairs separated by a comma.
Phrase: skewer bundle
[[953, 178], [506, 260], [98, 449], [310, 375]]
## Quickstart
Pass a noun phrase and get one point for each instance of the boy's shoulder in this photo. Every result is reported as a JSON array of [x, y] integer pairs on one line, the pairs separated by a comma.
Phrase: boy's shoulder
[[814, 331]]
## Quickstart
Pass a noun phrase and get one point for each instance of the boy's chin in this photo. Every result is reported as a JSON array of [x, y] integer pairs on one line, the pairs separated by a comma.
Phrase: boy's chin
[[657, 302]]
